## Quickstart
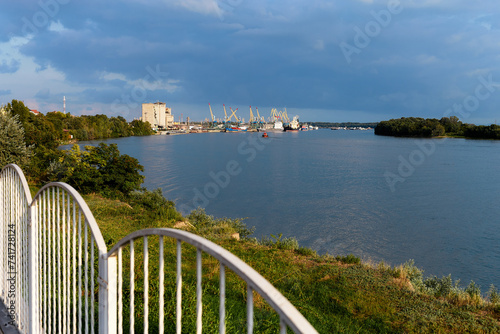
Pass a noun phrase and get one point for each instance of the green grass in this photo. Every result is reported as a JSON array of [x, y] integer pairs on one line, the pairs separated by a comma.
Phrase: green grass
[[335, 293]]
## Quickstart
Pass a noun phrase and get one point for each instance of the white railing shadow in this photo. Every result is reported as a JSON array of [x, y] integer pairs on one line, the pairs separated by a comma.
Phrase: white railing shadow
[[65, 281]]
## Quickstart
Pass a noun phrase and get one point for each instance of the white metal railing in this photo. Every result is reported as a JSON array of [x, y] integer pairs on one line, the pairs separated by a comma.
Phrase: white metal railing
[[289, 316], [15, 199], [67, 282], [68, 244]]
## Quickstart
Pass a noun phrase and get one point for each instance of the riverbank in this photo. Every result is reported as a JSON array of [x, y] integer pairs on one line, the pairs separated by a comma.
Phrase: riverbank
[[336, 294]]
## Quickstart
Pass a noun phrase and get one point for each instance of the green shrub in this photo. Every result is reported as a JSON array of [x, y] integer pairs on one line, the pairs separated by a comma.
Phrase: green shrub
[[348, 259], [99, 169], [208, 226], [439, 287], [493, 295], [281, 243], [325, 258], [473, 289], [414, 275], [155, 205], [306, 251]]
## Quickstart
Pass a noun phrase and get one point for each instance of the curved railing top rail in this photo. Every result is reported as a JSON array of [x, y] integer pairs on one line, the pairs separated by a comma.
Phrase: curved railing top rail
[[89, 217], [292, 316], [24, 183]]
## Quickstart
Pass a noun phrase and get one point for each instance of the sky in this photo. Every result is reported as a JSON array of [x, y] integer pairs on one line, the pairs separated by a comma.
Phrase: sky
[[333, 61]]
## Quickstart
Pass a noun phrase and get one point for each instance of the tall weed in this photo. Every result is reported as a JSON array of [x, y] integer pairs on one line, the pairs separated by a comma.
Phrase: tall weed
[[210, 227], [280, 243]]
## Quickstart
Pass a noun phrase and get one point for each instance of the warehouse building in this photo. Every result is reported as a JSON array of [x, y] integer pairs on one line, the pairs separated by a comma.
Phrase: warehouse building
[[157, 114]]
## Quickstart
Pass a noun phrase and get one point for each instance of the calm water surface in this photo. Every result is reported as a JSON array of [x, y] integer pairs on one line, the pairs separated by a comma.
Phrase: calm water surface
[[328, 189]]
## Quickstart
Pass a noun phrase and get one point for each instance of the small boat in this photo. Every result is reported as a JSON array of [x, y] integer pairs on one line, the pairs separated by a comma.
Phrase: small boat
[[265, 135]]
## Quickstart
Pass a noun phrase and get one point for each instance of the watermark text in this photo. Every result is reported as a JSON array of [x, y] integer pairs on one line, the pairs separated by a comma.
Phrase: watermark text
[[11, 274]]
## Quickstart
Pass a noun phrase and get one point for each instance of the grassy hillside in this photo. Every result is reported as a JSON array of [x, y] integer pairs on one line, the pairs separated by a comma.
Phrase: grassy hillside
[[336, 294]]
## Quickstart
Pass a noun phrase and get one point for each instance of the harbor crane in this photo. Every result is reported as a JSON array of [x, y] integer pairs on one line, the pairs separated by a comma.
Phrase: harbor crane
[[261, 119], [286, 119], [251, 115], [274, 115], [212, 117], [233, 113], [253, 120], [225, 114]]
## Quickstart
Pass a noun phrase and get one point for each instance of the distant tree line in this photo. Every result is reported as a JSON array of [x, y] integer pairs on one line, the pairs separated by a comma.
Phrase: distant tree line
[[446, 126], [410, 127], [59, 126], [32, 142]]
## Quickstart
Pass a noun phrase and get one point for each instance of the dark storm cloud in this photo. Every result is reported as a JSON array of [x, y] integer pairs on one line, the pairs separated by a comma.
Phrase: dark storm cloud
[[408, 57]]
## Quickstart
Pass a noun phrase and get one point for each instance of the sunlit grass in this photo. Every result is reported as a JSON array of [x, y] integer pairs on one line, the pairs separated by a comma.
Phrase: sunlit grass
[[335, 293]]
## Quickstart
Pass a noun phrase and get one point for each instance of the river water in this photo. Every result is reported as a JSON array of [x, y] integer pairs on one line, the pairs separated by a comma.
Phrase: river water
[[436, 201]]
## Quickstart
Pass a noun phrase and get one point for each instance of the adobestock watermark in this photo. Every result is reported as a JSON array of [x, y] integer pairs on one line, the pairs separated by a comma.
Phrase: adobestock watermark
[[139, 92], [247, 149], [426, 148], [11, 273], [49, 9], [372, 29]]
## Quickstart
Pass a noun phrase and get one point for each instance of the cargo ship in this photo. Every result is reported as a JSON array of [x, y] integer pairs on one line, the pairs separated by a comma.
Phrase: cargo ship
[[277, 126], [236, 129], [293, 125]]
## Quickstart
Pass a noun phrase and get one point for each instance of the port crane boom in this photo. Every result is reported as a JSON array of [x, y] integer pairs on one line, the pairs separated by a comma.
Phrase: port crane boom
[[233, 114], [225, 114], [212, 117], [252, 119]]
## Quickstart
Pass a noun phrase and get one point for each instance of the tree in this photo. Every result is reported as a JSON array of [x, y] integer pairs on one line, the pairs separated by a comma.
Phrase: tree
[[118, 172], [451, 124], [12, 144], [120, 127], [140, 128], [101, 169], [18, 108]]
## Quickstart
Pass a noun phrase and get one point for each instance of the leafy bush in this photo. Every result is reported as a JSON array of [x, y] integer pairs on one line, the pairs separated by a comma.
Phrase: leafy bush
[[208, 226], [473, 289], [408, 271], [306, 251], [440, 287], [99, 169], [348, 259], [493, 295], [281, 243], [140, 128], [156, 206]]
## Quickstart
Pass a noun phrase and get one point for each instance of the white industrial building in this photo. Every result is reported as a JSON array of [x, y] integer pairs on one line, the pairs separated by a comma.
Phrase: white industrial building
[[157, 114]]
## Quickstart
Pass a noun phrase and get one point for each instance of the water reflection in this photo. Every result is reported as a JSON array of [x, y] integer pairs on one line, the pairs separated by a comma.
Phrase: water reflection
[[327, 189]]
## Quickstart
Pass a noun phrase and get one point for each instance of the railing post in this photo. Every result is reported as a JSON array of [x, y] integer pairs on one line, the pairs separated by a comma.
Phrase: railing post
[[33, 284], [107, 294]]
